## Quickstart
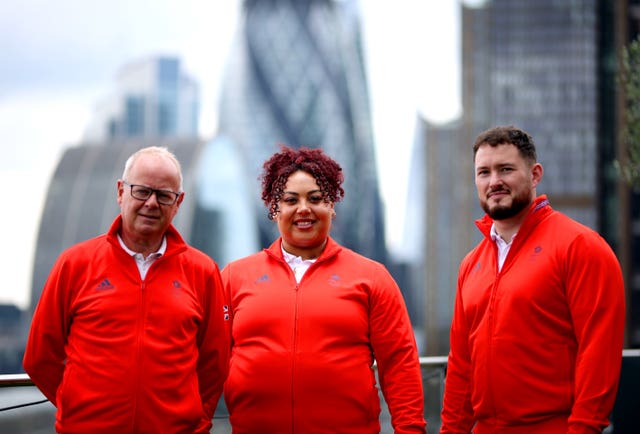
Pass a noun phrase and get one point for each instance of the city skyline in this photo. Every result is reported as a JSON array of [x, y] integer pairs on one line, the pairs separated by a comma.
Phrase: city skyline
[[45, 111]]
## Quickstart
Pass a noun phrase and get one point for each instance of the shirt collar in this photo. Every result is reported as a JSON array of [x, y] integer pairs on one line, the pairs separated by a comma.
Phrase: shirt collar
[[497, 238], [160, 252], [493, 232], [295, 260]]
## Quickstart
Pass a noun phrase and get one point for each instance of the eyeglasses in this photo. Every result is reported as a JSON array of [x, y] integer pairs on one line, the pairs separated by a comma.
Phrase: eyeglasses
[[142, 192]]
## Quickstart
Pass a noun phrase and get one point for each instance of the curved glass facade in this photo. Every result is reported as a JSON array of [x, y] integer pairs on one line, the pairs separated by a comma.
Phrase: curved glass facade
[[224, 220], [296, 76]]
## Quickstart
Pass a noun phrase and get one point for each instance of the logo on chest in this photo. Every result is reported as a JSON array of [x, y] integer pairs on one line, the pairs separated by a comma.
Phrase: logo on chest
[[104, 285]]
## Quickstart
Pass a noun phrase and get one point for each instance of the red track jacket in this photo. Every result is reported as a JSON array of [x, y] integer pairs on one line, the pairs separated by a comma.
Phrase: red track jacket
[[302, 354], [536, 348], [117, 354]]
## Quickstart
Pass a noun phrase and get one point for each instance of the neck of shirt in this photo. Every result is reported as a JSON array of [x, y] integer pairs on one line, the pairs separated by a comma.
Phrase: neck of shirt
[[298, 265], [143, 262], [503, 246]]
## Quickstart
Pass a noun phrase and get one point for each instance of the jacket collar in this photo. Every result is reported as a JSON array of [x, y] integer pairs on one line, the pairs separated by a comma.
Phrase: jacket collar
[[175, 242], [539, 209], [331, 249]]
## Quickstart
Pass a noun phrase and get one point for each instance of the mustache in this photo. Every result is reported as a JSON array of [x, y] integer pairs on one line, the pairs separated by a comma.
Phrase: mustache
[[497, 190]]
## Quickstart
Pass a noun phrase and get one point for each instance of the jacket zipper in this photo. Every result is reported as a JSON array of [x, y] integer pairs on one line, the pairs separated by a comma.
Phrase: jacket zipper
[[140, 339], [295, 331], [294, 353], [492, 309]]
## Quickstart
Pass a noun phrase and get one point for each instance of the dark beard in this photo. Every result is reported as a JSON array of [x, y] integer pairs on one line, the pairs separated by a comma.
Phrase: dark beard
[[518, 204]]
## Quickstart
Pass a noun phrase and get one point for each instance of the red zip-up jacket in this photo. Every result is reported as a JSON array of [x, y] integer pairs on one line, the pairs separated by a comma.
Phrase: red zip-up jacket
[[302, 354], [536, 348], [118, 354]]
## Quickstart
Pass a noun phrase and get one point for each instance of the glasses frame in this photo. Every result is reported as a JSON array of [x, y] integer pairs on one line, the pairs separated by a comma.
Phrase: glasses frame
[[153, 191]]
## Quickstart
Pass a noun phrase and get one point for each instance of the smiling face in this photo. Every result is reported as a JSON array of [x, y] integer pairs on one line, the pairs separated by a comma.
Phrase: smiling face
[[505, 181], [304, 217], [144, 222]]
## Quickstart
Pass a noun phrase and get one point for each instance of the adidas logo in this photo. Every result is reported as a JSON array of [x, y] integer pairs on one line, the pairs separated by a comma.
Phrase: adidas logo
[[263, 278], [105, 284], [334, 280]]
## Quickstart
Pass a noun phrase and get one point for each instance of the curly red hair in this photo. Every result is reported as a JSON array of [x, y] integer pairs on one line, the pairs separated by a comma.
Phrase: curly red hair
[[278, 168]]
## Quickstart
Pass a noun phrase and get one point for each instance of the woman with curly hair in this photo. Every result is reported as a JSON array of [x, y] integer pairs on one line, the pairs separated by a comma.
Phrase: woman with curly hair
[[310, 317]]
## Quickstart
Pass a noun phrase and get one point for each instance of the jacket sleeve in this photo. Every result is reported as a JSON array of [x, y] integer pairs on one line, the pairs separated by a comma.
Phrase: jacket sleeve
[[44, 356], [395, 350], [457, 413], [214, 347], [595, 295]]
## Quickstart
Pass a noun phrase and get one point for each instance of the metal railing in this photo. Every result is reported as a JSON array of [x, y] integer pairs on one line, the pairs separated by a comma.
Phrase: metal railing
[[14, 380], [20, 414], [29, 412]]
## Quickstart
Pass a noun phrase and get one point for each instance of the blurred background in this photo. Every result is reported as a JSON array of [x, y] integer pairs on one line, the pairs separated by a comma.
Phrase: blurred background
[[395, 91]]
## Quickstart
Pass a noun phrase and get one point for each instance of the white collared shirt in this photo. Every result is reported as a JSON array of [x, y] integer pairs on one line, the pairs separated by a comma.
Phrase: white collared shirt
[[297, 264], [142, 262], [503, 246]]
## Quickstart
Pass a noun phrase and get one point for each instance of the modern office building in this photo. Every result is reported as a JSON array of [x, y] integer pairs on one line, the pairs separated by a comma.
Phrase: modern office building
[[153, 97], [224, 222], [535, 65], [548, 67], [620, 208], [296, 76], [11, 342], [449, 209]]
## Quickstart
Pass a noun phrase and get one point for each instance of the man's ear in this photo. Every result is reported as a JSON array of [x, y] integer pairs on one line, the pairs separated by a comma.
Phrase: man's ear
[[536, 174], [120, 190]]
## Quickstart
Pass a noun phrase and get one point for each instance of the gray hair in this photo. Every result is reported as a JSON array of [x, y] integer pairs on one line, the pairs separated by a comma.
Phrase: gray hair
[[161, 151]]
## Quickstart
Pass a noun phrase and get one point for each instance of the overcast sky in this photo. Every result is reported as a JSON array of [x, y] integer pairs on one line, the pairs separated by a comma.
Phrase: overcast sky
[[60, 58]]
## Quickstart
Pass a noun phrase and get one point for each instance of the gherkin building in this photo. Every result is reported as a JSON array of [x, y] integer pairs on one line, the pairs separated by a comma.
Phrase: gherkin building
[[296, 76]]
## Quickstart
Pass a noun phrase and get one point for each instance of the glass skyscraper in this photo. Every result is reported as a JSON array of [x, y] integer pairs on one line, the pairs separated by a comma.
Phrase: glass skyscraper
[[534, 64], [296, 76], [153, 97], [548, 67]]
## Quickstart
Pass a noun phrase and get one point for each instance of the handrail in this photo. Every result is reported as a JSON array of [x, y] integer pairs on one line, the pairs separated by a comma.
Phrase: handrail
[[13, 380], [433, 361], [434, 372]]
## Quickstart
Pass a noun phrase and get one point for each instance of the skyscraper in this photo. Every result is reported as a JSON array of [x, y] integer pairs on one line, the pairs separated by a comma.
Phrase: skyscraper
[[153, 97], [535, 65], [548, 67], [296, 77]]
